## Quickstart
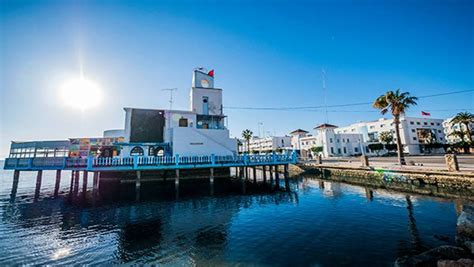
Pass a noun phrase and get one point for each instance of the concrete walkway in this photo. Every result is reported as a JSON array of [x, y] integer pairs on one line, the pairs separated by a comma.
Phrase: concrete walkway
[[432, 162]]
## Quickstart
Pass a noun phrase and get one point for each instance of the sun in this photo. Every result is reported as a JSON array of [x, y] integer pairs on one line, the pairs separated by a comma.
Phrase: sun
[[81, 93]]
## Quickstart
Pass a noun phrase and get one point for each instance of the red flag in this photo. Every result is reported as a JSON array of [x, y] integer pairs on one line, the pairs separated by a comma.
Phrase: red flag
[[423, 113], [211, 73]]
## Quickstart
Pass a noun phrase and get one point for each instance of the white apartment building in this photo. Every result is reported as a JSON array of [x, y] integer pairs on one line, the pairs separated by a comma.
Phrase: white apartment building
[[449, 128], [414, 132], [333, 144], [296, 135], [267, 144]]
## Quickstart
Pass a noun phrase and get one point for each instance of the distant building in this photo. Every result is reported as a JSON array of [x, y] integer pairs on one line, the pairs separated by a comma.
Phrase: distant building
[[332, 144], [450, 128], [267, 144], [415, 133], [296, 135]]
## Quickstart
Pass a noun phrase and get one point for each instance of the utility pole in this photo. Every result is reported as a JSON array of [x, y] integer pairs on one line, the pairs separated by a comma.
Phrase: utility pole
[[323, 72], [171, 90]]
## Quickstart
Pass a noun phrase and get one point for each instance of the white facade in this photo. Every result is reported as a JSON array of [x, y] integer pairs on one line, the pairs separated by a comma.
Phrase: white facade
[[333, 144], [199, 131], [413, 132], [296, 135], [267, 144], [449, 128]]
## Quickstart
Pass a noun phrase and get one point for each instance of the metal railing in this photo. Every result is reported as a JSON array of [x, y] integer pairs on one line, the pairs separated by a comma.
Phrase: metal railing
[[144, 162]]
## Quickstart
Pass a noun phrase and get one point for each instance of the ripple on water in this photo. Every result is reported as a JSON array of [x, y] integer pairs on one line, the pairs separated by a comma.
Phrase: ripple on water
[[335, 225]]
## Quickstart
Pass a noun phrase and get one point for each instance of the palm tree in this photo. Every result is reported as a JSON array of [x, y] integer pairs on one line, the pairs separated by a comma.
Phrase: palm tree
[[464, 118], [397, 103], [247, 135]]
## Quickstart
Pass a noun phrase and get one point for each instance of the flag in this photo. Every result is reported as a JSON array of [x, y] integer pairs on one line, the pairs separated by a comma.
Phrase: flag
[[423, 113], [211, 73]]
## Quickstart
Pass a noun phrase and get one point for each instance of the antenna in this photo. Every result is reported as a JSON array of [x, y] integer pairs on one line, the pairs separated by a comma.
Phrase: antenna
[[171, 95], [323, 72]]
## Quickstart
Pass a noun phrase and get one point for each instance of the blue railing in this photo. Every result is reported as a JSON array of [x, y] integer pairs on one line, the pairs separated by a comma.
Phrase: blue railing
[[144, 163]]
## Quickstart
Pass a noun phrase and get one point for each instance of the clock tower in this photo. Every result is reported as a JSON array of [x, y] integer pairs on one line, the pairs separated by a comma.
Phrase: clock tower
[[205, 99]]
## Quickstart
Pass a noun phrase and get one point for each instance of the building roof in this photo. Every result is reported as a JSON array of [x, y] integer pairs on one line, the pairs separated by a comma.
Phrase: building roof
[[325, 125], [298, 131]]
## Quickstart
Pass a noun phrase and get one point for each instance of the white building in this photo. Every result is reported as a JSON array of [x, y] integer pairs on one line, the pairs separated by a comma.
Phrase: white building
[[267, 144], [414, 132], [333, 144], [198, 131], [450, 128], [296, 135]]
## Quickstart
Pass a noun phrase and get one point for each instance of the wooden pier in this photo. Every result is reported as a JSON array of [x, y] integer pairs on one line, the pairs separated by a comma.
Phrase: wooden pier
[[244, 166]]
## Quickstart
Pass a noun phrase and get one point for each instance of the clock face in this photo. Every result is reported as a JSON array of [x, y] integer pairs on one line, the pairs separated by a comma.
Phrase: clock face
[[204, 83]]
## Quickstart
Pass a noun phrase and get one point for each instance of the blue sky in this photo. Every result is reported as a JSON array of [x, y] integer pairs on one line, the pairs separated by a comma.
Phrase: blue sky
[[266, 54]]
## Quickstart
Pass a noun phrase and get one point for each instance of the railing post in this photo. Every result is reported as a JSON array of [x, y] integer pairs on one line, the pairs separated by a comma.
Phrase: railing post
[[30, 163], [273, 157], [64, 162], [90, 161], [135, 162], [246, 158], [176, 159], [293, 157], [213, 159]]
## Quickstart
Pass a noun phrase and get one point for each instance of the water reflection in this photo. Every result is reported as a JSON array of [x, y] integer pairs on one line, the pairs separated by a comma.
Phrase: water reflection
[[345, 224]]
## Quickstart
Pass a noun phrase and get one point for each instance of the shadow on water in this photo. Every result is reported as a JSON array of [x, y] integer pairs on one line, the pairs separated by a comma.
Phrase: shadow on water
[[200, 224]]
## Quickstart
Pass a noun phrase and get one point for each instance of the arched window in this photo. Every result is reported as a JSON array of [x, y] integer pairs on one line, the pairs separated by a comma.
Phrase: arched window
[[136, 151]]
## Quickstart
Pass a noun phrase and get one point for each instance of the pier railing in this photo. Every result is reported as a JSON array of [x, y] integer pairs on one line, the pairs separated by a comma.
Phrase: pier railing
[[147, 163]]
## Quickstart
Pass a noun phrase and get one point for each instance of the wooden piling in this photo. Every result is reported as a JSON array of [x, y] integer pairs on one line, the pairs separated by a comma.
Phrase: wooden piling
[[84, 182], [271, 174], [211, 180], [39, 177], [264, 168], [71, 187], [95, 186], [58, 182], [176, 181], [76, 182], [16, 179], [138, 185], [254, 174], [277, 177]]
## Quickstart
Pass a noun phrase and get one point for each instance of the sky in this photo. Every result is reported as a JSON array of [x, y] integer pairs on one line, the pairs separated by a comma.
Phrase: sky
[[265, 54]]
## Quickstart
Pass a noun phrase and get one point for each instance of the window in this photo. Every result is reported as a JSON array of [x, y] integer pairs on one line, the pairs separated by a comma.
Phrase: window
[[183, 122], [425, 123], [330, 140], [372, 127], [338, 151], [381, 125], [417, 123], [356, 149], [439, 131], [345, 150], [437, 124], [338, 140], [414, 138], [432, 123], [332, 150], [413, 130], [412, 123], [136, 151]]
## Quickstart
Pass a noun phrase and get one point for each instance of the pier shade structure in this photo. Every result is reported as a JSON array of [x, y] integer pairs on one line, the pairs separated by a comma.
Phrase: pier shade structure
[[151, 142]]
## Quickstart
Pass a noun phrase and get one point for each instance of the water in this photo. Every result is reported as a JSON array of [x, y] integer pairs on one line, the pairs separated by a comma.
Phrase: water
[[317, 223]]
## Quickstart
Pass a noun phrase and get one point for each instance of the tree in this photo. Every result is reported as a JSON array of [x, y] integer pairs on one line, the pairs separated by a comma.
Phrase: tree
[[461, 144], [464, 118], [386, 137], [376, 147], [317, 149], [396, 103], [247, 135]]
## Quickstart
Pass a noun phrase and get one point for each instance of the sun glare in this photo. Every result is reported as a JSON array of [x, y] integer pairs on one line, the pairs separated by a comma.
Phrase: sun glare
[[81, 93]]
